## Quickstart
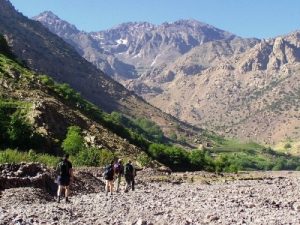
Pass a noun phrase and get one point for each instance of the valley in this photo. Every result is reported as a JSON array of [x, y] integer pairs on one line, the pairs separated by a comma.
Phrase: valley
[[243, 88]]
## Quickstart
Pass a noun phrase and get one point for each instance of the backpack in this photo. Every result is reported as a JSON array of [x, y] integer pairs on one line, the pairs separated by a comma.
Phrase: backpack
[[108, 172], [63, 168], [128, 170], [117, 168]]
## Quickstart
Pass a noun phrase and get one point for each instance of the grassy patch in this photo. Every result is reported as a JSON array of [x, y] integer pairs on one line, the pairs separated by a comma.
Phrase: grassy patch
[[15, 156]]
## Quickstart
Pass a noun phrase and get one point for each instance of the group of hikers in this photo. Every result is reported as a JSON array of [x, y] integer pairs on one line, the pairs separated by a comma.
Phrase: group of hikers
[[112, 173]]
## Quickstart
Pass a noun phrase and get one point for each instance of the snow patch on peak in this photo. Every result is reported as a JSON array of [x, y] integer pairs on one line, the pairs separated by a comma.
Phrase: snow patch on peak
[[122, 41]]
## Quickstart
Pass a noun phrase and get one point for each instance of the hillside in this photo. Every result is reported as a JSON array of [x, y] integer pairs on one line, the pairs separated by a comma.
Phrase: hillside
[[46, 53], [49, 111], [242, 88], [253, 95]]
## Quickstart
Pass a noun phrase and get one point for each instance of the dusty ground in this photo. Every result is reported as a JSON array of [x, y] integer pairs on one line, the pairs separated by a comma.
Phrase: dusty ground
[[186, 198]]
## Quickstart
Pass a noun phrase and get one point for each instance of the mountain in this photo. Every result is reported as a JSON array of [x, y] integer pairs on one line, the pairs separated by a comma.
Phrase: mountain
[[241, 87], [131, 49], [46, 53], [253, 95]]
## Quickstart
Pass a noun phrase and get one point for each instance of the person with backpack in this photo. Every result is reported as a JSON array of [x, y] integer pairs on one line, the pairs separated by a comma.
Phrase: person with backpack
[[109, 178], [129, 173], [65, 176], [119, 172]]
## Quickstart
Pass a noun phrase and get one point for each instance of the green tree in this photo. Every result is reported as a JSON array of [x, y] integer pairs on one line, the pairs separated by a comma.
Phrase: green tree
[[19, 130], [74, 141], [197, 159], [151, 128], [88, 157]]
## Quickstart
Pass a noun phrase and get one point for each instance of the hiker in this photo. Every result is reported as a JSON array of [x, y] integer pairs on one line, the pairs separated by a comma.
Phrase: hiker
[[129, 173], [119, 172], [65, 176], [109, 178]]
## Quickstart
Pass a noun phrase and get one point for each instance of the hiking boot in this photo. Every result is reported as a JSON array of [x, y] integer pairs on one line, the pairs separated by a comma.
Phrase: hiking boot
[[67, 200], [58, 199]]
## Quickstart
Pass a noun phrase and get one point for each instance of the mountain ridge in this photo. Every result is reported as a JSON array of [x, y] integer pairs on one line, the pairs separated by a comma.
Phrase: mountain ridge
[[128, 50]]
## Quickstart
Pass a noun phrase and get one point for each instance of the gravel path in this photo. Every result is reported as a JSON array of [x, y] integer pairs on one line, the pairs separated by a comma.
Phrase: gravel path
[[274, 200]]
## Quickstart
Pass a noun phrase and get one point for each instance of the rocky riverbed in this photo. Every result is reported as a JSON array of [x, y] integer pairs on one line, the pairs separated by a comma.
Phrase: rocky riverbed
[[181, 198]]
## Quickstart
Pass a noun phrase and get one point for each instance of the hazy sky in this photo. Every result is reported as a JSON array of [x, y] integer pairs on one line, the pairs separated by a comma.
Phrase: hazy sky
[[246, 18]]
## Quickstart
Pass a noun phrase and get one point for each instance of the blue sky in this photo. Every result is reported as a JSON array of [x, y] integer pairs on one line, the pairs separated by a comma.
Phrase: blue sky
[[246, 18]]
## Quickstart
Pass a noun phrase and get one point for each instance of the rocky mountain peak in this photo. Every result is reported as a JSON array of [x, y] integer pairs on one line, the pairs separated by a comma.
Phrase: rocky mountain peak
[[6, 8], [47, 15], [56, 24]]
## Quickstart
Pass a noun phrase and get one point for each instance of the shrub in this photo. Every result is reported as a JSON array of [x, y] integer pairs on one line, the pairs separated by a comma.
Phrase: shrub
[[287, 146], [19, 130], [74, 142], [197, 159], [88, 157], [106, 157], [174, 157], [150, 128], [144, 159]]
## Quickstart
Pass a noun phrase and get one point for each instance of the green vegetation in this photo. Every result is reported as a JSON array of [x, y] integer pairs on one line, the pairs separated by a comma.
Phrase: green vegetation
[[92, 157], [15, 129], [74, 142], [15, 156], [232, 156], [146, 129], [81, 155], [179, 159], [16, 132]]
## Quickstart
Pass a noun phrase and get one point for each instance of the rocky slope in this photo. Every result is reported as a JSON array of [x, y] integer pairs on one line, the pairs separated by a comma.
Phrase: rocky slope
[[191, 198], [253, 95], [46, 53]]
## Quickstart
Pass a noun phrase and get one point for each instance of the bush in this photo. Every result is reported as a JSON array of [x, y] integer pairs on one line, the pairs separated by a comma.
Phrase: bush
[[287, 146], [106, 157], [19, 130], [197, 160], [174, 157], [144, 159], [74, 142], [151, 129], [88, 157]]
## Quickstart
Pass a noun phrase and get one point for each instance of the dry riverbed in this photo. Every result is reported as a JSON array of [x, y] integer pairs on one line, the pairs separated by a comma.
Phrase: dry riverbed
[[180, 198]]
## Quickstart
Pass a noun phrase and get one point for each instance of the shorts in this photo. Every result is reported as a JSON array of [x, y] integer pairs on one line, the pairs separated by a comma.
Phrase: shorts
[[63, 181]]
